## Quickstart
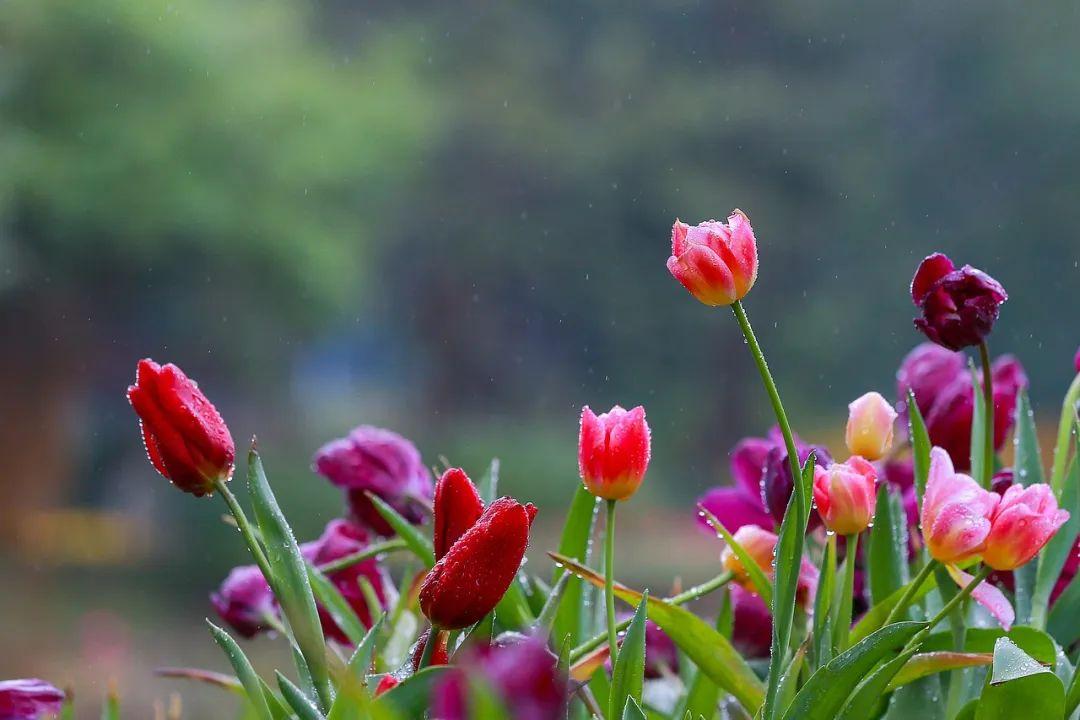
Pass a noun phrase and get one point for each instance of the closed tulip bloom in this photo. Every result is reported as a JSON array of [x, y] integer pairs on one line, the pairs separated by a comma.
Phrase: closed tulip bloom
[[717, 263], [457, 508], [185, 437], [869, 431], [846, 494], [956, 512], [613, 451], [1023, 522], [760, 545], [29, 699], [245, 601], [474, 573], [927, 371], [959, 307]]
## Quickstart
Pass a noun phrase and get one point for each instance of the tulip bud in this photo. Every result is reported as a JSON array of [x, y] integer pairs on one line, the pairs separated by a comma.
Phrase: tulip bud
[[760, 545], [956, 512], [457, 508], [846, 494], [717, 263], [1023, 522], [959, 306], [245, 601], [613, 451], [386, 684], [474, 573], [870, 426], [29, 699], [185, 437]]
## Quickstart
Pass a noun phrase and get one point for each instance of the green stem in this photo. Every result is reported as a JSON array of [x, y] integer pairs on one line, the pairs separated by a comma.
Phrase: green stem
[[909, 593], [988, 415], [958, 598], [682, 598], [429, 648], [366, 554], [1065, 425], [250, 534], [609, 579], [843, 615], [774, 397]]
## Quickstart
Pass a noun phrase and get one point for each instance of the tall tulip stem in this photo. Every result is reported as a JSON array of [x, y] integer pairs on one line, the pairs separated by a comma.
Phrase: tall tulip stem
[[988, 416], [609, 579]]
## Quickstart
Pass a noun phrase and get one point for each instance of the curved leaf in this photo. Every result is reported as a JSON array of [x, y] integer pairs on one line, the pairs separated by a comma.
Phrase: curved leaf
[[416, 541], [574, 544], [1020, 687], [628, 675], [300, 703], [757, 576], [920, 446], [244, 672], [876, 616]]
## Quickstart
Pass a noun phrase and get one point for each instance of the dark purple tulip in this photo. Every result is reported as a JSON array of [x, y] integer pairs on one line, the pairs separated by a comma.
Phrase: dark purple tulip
[[959, 307], [521, 672], [245, 601], [752, 632], [777, 483], [28, 699], [371, 459], [1002, 481], [927, 370], [339, 539]]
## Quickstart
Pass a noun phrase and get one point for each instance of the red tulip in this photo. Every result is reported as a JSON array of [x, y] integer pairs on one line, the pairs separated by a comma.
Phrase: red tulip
[[387, 683], [613, 451], [475, 572], [457, 508], [717, 263], [28, 699], [185, 437], [1023, 522], [846, 495], [959, 306]]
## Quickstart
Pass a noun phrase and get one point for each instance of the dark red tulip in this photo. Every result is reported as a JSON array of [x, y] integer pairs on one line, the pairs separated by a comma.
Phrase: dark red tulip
[[387, 683], [474, 573], [457, 508], [371, 459], [245, 601], [185, 437], [752, 629], [959, 307], [28, 699], [926, 371]]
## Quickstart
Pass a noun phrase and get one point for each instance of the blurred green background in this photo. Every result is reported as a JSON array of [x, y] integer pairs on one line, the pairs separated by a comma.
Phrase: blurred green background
[[451, 219]]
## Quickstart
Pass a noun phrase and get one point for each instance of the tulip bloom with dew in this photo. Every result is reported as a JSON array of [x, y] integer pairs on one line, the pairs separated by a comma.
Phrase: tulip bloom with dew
[[845, 495], [959, 307], [29, 699], [246, 602], [869, 432], [185, 437], [1022, 523], [760, 545], [956, 512], [717, 263], [613, 451]]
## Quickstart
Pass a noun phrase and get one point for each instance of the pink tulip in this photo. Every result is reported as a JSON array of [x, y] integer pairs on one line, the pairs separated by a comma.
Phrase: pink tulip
[[760, 545], [717, 263], [1023, 522], [613, 451], [956, 512], [846, 494], [870, 426]]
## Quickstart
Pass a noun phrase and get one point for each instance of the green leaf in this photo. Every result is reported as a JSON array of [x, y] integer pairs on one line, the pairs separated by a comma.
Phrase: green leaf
[[513, 611], [209, 677], [111, 709], [789, 550], [411, 697], [757, 576], [360, 662], [290, 580], [887, 559], [489, 483], [1072, 696], [245, 673], [632, 710], [921, 699], [823, 695], [546, 620], [1020, 687], [931, 663], [875, 617], [416, 541], [920, 446], [789, 681], [1028, 470], [574, 544], [1035, 643], [978, 430], [822, 628], [869, 692], [480, 634], [339, 608], [278, 708], [300, 703], [1053, 557], [628, 675], [600, 686]]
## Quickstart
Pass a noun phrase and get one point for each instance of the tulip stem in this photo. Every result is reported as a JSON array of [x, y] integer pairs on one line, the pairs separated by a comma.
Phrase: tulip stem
[[909, 592], [250, 534], [609, 579], [774, 397], [965, 592], [843, 613], [366, 554], [1061, 449], [988, 416], [429, 648]]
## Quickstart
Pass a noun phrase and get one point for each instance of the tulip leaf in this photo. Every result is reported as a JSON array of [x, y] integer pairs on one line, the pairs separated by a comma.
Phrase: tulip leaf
[[360, 662], [632, 711], [300, 703], [513, 611], [930, 663], [290, 582], [887, 549], [876, 616], [1072, 695], [628, 675], [546, 619], [824, 694], [978, 433], [1019, 687], [1027, 470], [1035, 643], [920, 699], [570, 620], [710, 651], [335, 603], [245, 673], [920, 446], [1053, 557], [415, 540], [757, 576], [869, 692], [67, 709], [489, 483]]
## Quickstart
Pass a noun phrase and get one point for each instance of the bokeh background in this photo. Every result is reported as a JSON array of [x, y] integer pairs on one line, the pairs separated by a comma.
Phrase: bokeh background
[[451, 219]]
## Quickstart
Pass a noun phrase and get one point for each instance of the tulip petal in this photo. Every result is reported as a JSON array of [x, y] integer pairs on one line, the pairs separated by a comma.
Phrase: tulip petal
[[931, 269], [987, 595], [734, 509]]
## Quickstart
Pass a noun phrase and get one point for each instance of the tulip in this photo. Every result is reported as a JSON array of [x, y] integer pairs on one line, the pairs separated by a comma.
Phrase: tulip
[[927, 371], [613, 451], [387, 683], [1076, 360], [457, 508], [185, 437], [846, 495], [869, 431], [28, 699], [760, 545], [340, 539], [956, 512], [777, 483], [246, 602], [752, 623], [474, 573], [439, 654], [717, 263], [959, 307], [379, 461], [520, 672], [1021, 524]]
